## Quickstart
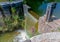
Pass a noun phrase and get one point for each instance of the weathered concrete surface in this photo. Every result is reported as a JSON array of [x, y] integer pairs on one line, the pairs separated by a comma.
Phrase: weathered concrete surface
[[47, 37], [53, 26]]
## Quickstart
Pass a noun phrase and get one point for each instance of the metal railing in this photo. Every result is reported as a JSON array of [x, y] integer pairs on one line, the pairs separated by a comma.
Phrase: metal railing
[[49, 11]]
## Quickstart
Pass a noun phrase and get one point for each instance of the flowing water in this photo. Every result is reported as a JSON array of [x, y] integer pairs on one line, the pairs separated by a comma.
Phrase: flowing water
[[15, 36], [10, 36]]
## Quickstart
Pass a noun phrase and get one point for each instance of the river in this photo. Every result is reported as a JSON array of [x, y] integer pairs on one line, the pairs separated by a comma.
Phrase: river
[[15, 36]]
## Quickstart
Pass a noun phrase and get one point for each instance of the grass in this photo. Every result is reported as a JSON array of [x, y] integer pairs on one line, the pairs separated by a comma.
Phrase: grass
[[3, 0]]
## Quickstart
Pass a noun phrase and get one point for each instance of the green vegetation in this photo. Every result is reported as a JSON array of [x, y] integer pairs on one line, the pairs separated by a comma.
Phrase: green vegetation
[[3, 0], [11, 22], [35, 4]]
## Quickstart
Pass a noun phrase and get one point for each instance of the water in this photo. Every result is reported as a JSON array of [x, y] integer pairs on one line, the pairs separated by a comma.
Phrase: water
[[15, 36], [20, 34], [11, 36]]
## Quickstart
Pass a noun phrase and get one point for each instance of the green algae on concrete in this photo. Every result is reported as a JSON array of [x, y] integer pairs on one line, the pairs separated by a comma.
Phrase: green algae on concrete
[[8, 37]]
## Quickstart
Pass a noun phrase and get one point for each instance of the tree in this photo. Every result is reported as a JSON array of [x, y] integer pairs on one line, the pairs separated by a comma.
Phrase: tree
[[35, 4], [2, 12]]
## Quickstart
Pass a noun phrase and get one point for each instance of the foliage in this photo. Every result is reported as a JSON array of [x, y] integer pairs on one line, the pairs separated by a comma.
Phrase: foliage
[[35, 4], [11, 22]]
